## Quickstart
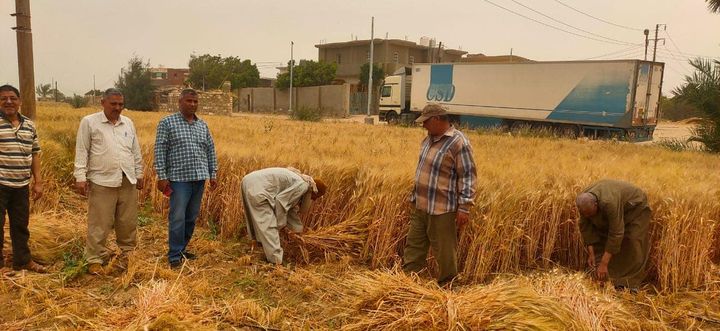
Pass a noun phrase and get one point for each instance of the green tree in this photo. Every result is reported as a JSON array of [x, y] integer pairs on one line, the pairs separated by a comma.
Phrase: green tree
[[308, 73], [43, 90], [97, 93], [210, 71], [136, 85], [713, 5], [674, 109], [702, 90], [56, 95], [378, 75]]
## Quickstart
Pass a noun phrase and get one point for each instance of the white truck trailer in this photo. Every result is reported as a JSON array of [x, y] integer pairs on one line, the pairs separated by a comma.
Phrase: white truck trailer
[[595, 98]]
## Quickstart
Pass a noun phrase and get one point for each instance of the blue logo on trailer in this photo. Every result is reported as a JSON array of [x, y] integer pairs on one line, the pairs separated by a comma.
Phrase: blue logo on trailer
[[441, 83]]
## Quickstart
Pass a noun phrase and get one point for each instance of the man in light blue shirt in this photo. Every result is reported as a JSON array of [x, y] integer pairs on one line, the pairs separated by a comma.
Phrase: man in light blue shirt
[[184, 159]]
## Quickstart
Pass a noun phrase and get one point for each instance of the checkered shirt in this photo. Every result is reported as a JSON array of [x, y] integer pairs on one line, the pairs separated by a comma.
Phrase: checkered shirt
[[184, 151], [446, 174]]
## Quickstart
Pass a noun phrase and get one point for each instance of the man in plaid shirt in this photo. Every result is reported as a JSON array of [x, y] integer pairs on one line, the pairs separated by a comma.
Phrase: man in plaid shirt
[[443, 194], [184, 159]]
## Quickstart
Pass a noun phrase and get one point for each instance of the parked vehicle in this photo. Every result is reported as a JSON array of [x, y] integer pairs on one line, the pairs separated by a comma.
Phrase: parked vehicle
[[612, 99]]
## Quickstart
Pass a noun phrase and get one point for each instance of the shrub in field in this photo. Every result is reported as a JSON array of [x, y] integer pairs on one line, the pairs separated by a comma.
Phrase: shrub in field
[[307, 114], [77, 101]]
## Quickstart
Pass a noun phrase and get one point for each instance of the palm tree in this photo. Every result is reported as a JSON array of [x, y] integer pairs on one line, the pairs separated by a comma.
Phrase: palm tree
[[43, 90], [713, 5], [702, 90]]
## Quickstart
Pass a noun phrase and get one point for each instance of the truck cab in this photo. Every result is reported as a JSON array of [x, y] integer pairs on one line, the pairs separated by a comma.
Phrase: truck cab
[[395, 95]]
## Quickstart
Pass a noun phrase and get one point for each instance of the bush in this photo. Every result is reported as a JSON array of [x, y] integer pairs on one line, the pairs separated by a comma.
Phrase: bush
[[307, 114], [77, 101]]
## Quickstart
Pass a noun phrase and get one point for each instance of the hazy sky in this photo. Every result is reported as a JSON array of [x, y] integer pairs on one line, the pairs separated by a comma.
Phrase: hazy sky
[[76, 39]]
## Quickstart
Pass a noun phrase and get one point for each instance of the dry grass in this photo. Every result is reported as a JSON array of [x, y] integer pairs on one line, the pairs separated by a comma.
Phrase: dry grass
[[523, 220]]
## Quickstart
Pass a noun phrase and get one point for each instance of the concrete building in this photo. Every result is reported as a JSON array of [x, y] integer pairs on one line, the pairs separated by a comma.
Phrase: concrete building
[[169, 77], [390, 54]]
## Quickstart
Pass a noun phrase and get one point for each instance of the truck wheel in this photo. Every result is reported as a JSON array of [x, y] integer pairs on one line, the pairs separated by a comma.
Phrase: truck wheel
[[391, 118]]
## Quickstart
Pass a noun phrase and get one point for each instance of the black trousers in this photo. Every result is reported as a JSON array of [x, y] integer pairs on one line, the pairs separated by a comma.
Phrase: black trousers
[[16, 202]]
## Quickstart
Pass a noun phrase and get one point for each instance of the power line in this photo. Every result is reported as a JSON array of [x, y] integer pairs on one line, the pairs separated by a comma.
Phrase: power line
[[554, 27], [599, 19], [616, 53], [568, 25]]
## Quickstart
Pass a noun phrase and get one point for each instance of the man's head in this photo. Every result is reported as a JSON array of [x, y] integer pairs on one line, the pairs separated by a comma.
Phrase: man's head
[[587, 204], [113, 103], [188, 102], [434, 119], [322, 188], [10, 100]]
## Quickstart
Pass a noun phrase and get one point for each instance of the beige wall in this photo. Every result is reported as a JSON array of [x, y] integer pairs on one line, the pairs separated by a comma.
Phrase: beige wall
[[213, 102], [332, 99]]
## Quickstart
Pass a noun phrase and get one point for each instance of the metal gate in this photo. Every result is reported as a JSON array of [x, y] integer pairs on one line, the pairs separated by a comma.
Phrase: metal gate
[[358, 103]]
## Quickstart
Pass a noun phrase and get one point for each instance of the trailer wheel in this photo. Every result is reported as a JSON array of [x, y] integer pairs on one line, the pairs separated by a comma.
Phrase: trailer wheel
[[391, 118]]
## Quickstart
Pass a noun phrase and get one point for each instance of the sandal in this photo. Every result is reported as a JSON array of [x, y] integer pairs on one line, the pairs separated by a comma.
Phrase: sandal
[[35, 267]]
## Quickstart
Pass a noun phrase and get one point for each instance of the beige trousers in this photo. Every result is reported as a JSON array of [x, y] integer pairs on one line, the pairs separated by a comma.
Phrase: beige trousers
[[111, 208]]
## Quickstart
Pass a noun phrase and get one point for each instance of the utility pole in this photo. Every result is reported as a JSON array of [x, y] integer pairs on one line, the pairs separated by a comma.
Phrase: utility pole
[[647, 41], [657, 27], [292, 62], [93, 91], [26, 70], [371, 66]]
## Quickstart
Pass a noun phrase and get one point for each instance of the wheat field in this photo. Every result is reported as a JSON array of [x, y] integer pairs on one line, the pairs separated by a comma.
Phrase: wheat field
[[521, 259]]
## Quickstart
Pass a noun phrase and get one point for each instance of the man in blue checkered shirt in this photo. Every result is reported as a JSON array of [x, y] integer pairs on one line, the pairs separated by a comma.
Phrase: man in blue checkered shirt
[[184, 159]]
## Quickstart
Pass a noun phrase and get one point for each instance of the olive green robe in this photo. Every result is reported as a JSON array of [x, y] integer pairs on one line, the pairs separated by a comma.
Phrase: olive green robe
[[621, 227]]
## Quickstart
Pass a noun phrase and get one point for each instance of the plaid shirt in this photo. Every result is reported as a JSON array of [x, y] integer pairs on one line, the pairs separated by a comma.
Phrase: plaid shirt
[[184, 151], [446, 174], [17, 148]]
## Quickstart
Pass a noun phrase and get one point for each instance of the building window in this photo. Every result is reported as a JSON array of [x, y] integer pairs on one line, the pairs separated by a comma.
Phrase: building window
[[396, 57], [338, 58], [411, 60]]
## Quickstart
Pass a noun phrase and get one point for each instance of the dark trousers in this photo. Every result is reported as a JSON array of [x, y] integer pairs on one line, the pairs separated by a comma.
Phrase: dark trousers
[[16, 202], [437, 232]]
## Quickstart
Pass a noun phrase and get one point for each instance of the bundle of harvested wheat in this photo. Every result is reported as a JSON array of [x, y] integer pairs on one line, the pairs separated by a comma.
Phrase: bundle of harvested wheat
[[328, 243]]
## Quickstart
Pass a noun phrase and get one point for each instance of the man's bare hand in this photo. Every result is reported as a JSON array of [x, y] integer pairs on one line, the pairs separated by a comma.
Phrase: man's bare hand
[[602, 272], [461, 220], [82, 188], [140, 184], [213, 183], [591, 257], [37, 191], [162, 184]]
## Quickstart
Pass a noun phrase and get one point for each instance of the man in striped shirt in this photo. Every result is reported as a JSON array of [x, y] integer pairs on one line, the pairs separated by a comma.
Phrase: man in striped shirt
[[19, 159], [443, 194], [184, 159]]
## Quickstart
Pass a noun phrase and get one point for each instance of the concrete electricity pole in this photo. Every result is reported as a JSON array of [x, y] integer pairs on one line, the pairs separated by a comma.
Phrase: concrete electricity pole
[[371, 66], [26, 70], [657, 27], [291, 77]]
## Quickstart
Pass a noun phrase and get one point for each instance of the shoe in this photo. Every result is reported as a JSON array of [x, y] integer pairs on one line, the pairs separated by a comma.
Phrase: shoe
[[34, 267], [176, 264], [95, 269], [189, 256]]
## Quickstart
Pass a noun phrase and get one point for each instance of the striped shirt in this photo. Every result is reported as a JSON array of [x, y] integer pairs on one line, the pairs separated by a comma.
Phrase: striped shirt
[[17, 147], [446, 174], [184, 151]]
